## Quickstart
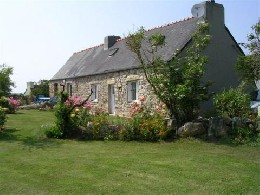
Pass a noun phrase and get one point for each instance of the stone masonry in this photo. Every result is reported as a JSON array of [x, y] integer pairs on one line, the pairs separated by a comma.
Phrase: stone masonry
[[81, 87]]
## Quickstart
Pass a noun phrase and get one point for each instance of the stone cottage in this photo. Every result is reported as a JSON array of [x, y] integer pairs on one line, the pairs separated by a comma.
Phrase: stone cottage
[[113, 73]]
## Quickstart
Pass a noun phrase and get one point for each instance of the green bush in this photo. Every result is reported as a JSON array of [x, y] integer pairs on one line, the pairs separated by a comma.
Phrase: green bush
[[4, 103], [65, 121], [83, 115], [100, 126], [66, 125], [232, 103], [51, 131], [2, 117], [245, 135]]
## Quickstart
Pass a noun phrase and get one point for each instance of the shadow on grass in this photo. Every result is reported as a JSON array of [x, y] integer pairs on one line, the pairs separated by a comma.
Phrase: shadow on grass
[[41, 143], [10, 135], [16, 113]]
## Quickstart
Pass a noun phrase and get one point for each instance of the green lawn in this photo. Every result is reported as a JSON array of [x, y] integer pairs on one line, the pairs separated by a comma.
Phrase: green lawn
[[33, 164]]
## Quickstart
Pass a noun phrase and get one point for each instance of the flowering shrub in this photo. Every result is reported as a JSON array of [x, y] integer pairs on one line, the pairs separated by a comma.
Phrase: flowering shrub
[[75, 121], [147, 125], [13, 104], [69, 117], [80, 115], [73, 100], [100, 126]]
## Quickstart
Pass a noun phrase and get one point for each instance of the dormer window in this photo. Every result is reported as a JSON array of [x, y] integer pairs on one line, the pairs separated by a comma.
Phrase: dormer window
[[113, 52]]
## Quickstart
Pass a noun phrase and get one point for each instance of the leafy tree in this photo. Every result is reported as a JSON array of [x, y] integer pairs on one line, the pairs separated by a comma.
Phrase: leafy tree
[[41, 89], [177, 82], [249, 66], [5, 81]]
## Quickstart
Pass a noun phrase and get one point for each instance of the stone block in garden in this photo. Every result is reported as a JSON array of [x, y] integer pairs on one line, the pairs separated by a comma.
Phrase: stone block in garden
[[191, 129], [219, 126]]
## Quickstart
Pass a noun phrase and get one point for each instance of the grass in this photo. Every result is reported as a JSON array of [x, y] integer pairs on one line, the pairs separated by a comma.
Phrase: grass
[[33, 164]]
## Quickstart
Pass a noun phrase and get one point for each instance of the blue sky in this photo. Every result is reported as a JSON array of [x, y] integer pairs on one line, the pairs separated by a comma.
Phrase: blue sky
[[38, 36]]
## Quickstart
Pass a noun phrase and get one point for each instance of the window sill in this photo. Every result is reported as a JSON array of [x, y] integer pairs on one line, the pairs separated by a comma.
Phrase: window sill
[[94, 101]]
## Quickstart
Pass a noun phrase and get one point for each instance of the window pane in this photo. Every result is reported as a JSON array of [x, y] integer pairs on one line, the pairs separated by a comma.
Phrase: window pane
[[133, 90], [129, 95], [70, 91], [55, 88], [94, 90]]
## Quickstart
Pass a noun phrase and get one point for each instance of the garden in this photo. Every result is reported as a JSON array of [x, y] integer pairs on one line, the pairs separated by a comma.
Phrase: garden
[[76, 148], [31, 163]]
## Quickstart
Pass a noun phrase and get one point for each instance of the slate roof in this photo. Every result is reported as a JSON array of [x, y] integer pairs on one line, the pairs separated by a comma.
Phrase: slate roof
[[96, 60]]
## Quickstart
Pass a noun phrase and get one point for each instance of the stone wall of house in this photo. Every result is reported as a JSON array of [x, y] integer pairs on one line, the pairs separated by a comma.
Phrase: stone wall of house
[[81, 87]]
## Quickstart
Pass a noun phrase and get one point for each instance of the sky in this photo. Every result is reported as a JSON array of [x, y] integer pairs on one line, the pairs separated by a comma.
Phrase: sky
[[37, 37]]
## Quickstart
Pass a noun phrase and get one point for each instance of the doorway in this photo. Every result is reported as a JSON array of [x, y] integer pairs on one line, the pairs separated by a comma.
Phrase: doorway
[[111, 99]]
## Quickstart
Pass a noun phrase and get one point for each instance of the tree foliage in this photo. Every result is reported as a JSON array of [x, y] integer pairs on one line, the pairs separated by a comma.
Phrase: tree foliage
[[176, 82], [5, 81], [232, 102], [249, 66], [41, 89]]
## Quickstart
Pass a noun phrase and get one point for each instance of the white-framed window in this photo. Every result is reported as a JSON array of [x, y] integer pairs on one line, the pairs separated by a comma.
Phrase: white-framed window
[[132, 91], [94, 89]]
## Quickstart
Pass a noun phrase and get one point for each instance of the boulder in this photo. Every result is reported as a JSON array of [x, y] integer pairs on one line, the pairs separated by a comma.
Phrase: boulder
[[219, 126], [191, 129]]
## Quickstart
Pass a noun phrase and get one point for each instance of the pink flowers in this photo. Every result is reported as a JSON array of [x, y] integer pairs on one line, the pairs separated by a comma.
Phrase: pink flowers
[[73, 100], [141, 98], [135, 107], [13, 104], [87, 105]]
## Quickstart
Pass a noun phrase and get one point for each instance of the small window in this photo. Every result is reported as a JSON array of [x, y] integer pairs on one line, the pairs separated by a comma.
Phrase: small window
[[56, 90], [132, 91], [94, 96]]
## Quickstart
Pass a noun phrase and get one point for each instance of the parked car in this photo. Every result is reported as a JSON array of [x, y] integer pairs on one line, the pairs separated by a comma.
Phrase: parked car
[[41, 99], [54, 100]]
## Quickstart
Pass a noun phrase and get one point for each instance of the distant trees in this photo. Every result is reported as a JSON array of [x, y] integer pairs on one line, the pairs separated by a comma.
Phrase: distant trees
[[5, 81], [41, 89]]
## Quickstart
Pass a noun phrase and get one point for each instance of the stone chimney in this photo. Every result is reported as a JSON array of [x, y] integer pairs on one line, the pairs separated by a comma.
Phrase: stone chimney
[[109, 41], [30, 86], [210, 11]]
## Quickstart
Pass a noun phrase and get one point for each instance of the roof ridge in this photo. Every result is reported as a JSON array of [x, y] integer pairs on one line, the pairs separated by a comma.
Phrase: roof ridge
[[154, 28], [89, 48], [162, 26]]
